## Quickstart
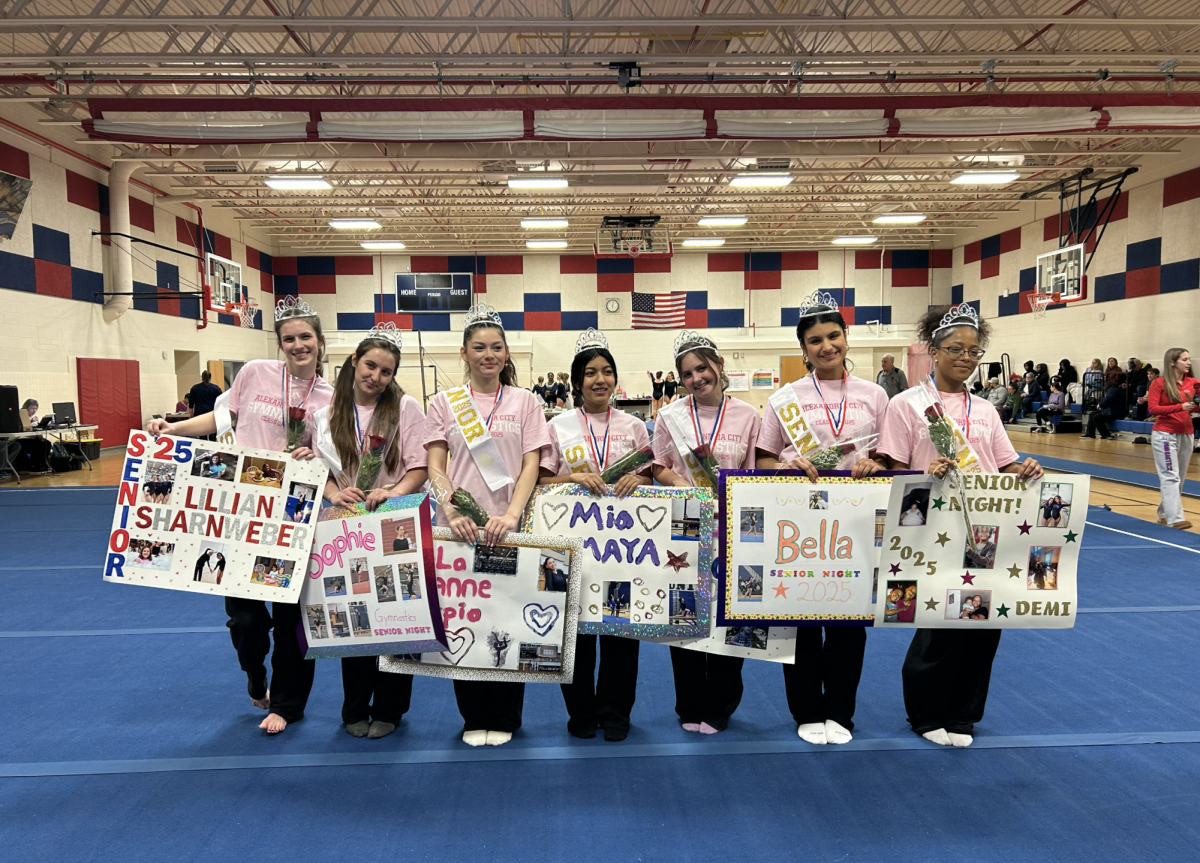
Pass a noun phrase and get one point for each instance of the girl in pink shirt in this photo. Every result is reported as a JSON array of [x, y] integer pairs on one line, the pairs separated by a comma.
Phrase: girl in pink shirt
[[607, 435], [516, 424], [371, 413], [708, 686], [261, 392], [837, 408], [947, 671]]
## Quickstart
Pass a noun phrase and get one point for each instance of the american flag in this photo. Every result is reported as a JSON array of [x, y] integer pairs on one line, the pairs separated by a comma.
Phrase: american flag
[[658, 311]]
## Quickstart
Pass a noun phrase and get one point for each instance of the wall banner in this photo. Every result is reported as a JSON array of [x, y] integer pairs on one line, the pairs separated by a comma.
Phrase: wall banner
[[646, 558], [370, 588], [1020, 573], [213, 518], [509, 610], [799, 552]]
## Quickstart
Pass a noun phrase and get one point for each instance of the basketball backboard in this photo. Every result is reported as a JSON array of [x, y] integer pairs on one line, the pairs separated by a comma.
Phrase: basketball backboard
[[1060, 275], [632, 237], [225, 281]]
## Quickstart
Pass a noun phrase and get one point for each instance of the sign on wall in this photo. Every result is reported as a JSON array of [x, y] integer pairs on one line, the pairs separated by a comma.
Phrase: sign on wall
[[14, 193], [370, 588], [213, 518], [509, 610], [1018, 573], [433, 292], [798, 551], [641, 556]]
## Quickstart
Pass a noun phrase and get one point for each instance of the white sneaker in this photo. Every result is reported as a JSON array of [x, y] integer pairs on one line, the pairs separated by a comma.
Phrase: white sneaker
[[812, 732], [474, 738], [498, 738], [960, 741], [938, 736], [836, 733]]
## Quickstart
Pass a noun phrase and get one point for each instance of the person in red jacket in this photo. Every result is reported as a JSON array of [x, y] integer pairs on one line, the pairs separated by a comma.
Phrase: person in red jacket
[[1170, 399]]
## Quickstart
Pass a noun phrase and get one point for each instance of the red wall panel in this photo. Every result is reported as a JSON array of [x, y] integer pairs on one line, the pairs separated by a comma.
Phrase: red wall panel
[[109, 396]]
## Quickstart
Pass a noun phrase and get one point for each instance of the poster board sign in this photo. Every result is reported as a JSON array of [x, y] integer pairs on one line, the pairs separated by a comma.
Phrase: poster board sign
[[738, 381], [640, 556], [370, 588], [763, 379], [509, 610], [1021, 574], [213, 518], [799, 552], [769, 643]]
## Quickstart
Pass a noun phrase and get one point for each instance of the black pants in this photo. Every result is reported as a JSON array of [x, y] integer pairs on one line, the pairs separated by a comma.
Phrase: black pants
[[946, 676], [1044, 414], [291, 674], [361, 678], [837, 663], [1096, 423], [488, 705], [708, 686], [604, 699]]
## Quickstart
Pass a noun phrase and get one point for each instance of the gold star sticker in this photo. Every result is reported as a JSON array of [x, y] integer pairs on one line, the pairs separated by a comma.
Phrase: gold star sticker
[[931, 604], [942, 539], [1014, 571]]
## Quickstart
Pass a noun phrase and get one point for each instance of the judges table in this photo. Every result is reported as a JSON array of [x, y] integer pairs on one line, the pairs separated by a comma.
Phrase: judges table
[[68, 437]]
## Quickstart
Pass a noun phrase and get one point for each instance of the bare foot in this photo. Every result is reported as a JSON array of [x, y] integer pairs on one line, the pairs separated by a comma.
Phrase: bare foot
[[263, 703], [273, 724]]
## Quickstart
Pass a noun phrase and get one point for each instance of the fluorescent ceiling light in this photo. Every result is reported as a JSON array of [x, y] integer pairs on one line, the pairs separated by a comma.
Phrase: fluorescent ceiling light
[[701, 242], [354, 224], [722, 221], [853, 241], [298, 181], [544, 223], [545, 244], [986, 178], [900, 219], [752, 180], [382, 245], [537, 182]]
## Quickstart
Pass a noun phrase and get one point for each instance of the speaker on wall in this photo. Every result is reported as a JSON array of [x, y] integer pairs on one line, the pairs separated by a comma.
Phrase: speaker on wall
[[10, 407]]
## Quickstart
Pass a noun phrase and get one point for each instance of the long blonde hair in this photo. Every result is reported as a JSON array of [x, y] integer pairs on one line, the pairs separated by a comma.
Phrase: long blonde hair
[[1171, 377]]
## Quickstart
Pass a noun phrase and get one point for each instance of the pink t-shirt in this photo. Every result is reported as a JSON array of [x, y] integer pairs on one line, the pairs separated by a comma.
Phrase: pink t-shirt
[[734, 444], [257, 399], [518, 426], [410, 439], [905, 436], [625, 432], [866, 405]]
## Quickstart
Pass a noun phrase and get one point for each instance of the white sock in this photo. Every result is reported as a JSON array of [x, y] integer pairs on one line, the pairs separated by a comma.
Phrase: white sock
[[938, 736], [812, 732], [962, 741], [836, 733], [498, 738], [474, 738]]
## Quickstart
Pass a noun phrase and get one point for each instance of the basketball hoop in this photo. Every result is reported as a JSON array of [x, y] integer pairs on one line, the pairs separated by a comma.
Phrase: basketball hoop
[[632, 239], [1038, 303], [634, 250], [245, 313]]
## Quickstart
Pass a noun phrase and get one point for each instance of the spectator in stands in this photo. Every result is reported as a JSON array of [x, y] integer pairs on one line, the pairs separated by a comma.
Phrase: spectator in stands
[[1135, 381], [1067, 373], [1012, 403], [1056, 405], [891, 378], [995, 394], [1112, 372], [1140, 411], [1043, 376], [203, 395], [1030, 392], [1111, 407]]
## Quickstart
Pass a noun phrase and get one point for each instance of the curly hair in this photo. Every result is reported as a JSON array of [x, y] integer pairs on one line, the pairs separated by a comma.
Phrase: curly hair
[[928, 324]]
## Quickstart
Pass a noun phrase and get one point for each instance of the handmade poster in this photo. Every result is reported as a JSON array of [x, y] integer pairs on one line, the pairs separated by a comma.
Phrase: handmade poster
[[509, 610], [799, 552], [770, 643], [213, 518], [738, 381], [14, 193], [1019, 573], [763, 379], [640, 556], [370, 588]]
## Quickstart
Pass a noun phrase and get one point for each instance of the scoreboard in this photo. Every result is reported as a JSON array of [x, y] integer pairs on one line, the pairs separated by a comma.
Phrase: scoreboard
[[433, 292]]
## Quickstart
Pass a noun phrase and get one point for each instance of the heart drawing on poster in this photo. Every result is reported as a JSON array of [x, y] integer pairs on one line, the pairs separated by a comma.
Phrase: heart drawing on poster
[[460, 641], [651, 516], [540, 618], [552, 513]]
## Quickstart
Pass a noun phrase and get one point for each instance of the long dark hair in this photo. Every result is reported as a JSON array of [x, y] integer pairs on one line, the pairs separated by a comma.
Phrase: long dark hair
[[579, 364], [930, 323], [314, 322], [387, 410], [508, 374], [833, 316]]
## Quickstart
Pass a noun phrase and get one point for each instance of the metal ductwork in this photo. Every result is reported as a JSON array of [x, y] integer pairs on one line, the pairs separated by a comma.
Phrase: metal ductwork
[[122, 252]]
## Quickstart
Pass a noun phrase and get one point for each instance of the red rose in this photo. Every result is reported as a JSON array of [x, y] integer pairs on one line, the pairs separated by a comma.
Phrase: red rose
[[296, 414], [701, 452], [933, 411], [376, 441]]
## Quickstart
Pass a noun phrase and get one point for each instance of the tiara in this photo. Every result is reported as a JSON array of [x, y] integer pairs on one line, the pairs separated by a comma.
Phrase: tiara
[[293, 307], [590, 338], [690, 341], [816, 303], [962, 315], [482, 313], [387, 332]]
